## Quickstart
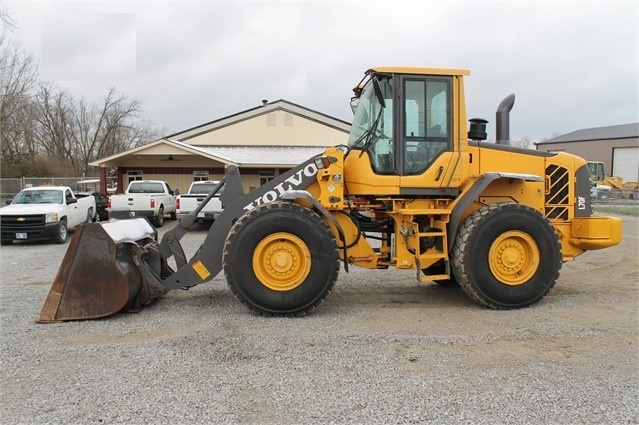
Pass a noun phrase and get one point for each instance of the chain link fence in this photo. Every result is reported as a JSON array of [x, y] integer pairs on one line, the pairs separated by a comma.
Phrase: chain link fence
[[10, 187]]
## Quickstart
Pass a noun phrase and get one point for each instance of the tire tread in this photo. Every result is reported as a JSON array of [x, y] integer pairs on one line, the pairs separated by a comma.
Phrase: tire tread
[[461, 269]]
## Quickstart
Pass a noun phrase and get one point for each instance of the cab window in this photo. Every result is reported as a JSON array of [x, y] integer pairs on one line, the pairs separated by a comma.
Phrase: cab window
[[427, 119]]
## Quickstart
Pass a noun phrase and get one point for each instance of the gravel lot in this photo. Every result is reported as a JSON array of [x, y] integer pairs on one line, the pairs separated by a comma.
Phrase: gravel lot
[[382, 349]]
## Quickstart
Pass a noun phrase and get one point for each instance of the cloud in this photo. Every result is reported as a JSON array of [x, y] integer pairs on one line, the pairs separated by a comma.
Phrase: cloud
[[88, 47], [571, 64]]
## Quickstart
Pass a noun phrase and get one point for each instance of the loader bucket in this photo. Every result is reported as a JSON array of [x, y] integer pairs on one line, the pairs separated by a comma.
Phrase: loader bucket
[[99, 275]]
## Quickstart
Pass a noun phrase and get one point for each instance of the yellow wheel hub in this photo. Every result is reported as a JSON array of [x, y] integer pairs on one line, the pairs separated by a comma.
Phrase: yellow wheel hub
[[281, 261], [513, 258]]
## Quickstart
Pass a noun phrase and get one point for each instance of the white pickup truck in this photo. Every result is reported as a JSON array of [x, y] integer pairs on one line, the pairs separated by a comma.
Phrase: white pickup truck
[[187, 203], [44, 212], [147, 198]]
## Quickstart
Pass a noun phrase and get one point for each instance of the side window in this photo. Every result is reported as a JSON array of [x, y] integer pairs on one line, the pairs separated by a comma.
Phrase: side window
[[381, 150], [427, 122]]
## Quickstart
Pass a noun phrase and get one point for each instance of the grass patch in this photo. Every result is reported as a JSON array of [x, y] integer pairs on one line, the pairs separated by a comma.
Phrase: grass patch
[[632, 210]]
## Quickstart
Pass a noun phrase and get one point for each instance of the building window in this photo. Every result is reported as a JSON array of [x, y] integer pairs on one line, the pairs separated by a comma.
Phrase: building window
[[200, 176], [133, 175], [266, 176]]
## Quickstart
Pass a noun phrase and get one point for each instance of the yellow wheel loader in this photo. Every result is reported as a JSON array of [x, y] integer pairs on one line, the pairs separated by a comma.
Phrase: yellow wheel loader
[[414, 188]]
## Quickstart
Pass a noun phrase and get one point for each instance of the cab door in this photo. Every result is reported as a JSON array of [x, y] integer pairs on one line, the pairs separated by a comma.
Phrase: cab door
[[426, 157]]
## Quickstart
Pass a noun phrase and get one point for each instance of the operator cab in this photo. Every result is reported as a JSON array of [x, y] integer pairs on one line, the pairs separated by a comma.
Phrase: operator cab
[[409, 135], [406, 141]]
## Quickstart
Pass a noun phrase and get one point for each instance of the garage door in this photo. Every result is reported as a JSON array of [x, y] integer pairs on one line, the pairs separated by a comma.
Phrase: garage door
[[625, 163]]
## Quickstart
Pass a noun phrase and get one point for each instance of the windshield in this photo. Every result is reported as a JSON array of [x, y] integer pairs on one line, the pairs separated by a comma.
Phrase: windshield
[[367, 116], [372, 127], [38, 197]]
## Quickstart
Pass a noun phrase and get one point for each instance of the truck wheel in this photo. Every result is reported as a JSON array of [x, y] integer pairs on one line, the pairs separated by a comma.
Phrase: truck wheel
[[507, 256], [159, 220], [281, 259], [90, 216], [603, 197], [173, 215], [62, 234]]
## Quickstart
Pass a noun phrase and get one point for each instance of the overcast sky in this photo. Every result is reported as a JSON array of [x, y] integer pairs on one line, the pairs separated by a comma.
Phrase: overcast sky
[[572, 65]]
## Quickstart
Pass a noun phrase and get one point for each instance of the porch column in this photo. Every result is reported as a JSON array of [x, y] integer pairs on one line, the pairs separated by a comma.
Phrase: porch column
[[103, 183]]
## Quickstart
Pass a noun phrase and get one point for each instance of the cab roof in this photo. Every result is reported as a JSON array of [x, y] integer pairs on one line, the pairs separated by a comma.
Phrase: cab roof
[[418, 70]]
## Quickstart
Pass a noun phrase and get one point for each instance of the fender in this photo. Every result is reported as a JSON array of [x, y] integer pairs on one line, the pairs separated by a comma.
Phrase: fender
[[468, 197]]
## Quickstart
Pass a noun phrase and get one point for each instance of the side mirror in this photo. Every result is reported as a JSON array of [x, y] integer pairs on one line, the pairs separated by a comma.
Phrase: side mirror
[[378, 92], [354, 103]]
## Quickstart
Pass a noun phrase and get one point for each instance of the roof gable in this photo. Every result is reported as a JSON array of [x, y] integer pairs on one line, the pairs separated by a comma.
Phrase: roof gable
[[264, 109]]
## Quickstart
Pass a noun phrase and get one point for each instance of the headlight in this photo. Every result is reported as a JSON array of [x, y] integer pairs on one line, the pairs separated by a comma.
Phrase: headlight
[[51, 218]]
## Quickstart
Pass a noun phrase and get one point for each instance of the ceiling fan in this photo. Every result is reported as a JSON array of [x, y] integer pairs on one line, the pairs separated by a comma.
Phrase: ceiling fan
[[171, 158]]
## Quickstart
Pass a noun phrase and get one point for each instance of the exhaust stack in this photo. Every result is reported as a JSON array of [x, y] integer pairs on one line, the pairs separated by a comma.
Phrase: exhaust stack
[[502, 119]]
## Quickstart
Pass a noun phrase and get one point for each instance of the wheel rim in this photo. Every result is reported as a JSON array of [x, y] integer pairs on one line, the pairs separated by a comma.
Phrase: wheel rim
[[281, 261], [513, 258], [63, 231]]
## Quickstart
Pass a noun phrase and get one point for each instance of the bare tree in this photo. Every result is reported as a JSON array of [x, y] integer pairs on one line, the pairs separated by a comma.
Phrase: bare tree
[[43, 128], [77, 132], [106, 128], [53, 130], [523, 142], [5, 17], [18, 77]]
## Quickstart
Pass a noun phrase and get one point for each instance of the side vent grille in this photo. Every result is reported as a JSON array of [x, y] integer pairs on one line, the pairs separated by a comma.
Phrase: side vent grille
[[558, 196]]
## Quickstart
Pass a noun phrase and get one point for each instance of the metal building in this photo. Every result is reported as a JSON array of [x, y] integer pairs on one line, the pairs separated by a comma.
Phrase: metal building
[[617, 146]]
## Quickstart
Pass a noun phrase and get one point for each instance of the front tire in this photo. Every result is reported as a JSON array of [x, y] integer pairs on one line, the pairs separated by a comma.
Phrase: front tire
[[507, 256], [63, 232], [281, 259]]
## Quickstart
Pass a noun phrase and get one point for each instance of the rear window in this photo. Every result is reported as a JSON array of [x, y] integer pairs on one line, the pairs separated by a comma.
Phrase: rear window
[[146, 188], [204, 189]]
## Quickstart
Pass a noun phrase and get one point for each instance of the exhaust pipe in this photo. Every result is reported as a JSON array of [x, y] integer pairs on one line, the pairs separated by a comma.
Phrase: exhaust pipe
[[502, 119]]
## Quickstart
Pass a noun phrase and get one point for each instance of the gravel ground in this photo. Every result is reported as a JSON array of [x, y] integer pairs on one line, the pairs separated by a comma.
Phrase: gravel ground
[[383, 348]]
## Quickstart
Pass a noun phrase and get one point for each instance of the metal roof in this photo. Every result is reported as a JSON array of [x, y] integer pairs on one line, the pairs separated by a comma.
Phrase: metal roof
[[622, 131]]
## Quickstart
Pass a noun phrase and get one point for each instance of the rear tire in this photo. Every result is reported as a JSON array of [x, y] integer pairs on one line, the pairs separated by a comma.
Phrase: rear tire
[[90, 216], [507, 256], [281, 259], [63, 232], [159, 220]]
